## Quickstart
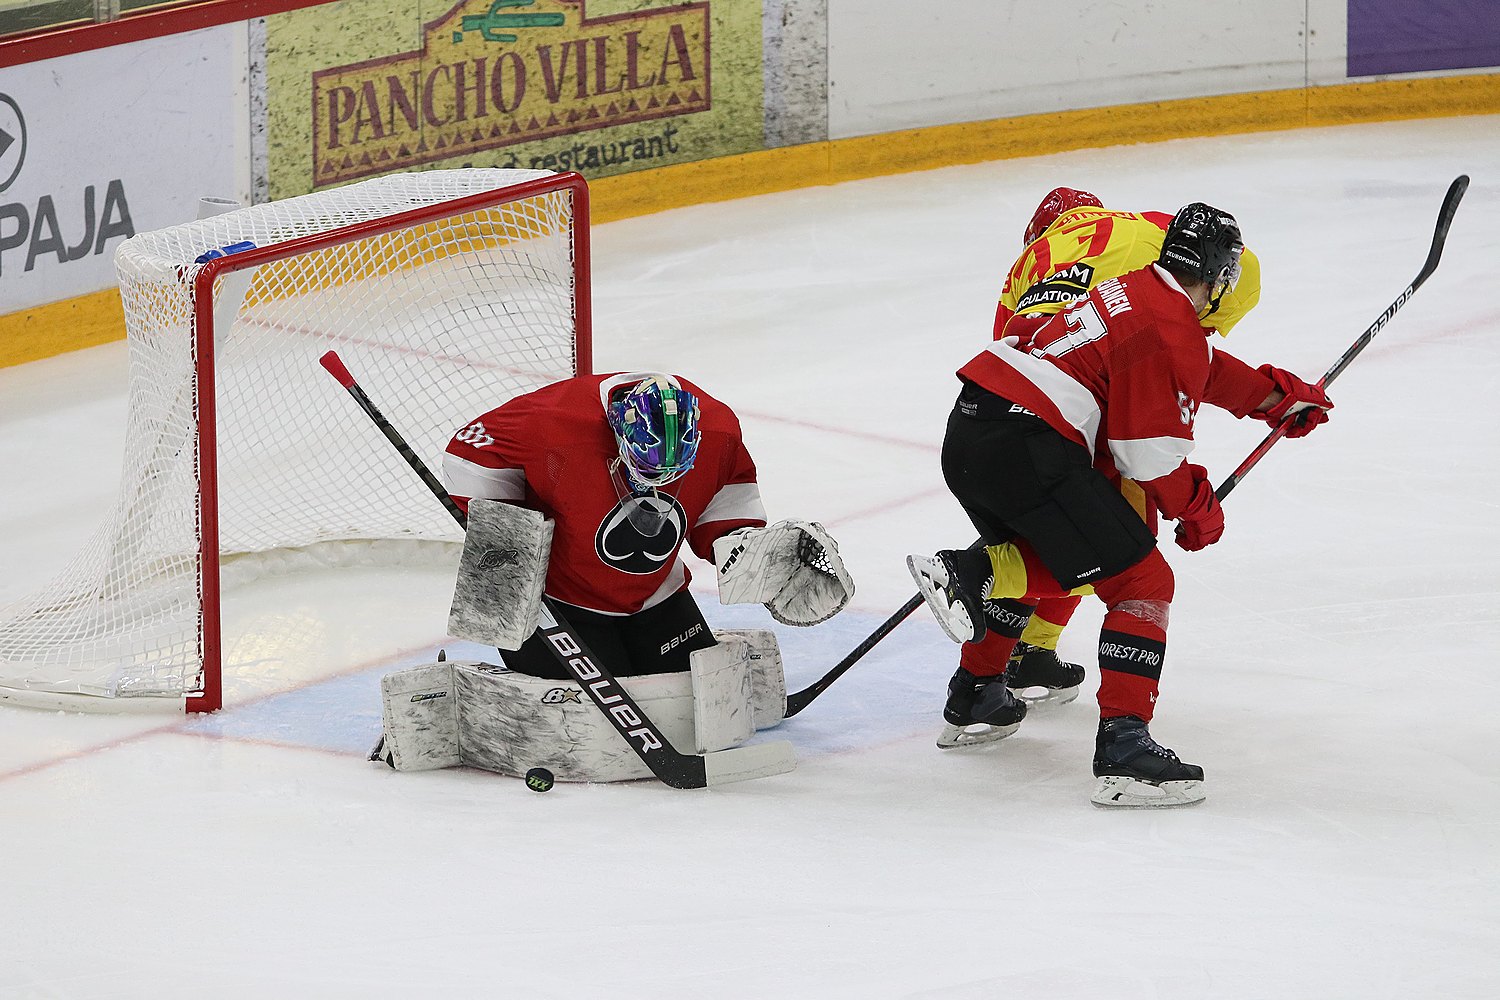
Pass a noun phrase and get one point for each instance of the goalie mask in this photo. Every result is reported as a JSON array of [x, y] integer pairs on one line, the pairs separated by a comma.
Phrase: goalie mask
[[1058, 201], [656, 427]]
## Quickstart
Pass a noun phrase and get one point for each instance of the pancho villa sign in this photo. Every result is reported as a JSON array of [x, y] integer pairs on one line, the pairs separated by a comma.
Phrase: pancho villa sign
[[494, 73]]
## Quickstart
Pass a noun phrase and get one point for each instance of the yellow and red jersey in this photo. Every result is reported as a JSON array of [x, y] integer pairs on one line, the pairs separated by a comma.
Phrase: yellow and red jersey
[[1085, 246]]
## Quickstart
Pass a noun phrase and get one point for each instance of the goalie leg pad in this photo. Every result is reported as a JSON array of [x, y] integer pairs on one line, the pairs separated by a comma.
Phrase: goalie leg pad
[[723, 715], [419, 714], [767, 680], [510, 723], [497, 597]]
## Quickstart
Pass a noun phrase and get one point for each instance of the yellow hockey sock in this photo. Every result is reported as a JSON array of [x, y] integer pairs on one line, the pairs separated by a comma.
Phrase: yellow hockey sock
[[1011, 578]]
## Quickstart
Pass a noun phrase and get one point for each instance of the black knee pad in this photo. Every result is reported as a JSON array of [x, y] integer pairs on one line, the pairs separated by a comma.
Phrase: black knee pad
[[1085, 530]]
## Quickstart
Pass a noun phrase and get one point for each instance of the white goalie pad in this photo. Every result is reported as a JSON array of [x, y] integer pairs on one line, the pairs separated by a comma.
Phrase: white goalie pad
[[723, 715], [501, 573], [419, 715], [510, 723], [792, 567], [490, 717], [767, 679]]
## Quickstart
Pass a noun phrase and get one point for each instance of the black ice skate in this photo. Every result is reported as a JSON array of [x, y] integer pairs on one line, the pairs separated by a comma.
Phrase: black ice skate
[[1135, 770], [979, 710], [1040, 679], [955, 583]]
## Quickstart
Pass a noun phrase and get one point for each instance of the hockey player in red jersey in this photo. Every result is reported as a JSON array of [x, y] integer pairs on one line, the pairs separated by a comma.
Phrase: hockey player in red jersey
[[1071, 244], [1045, 425], [629, 467]]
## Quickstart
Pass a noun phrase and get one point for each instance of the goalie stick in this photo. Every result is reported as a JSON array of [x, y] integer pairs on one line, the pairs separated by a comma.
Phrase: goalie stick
[[679, 770], [1434, 254]]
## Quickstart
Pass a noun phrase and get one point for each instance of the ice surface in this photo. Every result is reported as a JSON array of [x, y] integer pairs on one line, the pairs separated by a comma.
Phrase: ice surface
[[1332, 662]]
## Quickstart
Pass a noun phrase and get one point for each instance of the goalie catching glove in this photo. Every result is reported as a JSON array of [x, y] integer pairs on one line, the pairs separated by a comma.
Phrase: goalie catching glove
[[792, 567]]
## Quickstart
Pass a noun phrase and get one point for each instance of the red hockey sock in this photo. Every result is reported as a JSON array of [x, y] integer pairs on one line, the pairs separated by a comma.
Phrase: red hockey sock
[[1131, 653], [1006, 620]]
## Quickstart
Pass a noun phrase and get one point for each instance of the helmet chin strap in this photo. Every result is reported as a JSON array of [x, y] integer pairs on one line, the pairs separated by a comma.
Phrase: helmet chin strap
[[1213, 305]]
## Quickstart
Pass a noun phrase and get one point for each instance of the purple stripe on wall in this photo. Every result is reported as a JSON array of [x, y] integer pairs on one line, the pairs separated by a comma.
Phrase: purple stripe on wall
[[1408, 36]]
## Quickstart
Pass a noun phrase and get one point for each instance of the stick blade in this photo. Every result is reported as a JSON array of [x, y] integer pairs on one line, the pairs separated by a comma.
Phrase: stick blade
[[1445, 220], [760, 760]]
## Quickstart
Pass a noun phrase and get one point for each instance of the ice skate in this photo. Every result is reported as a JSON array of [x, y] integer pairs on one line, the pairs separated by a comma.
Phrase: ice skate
[[1040, 679], [955, 582], [979, 710], [1136, 771]]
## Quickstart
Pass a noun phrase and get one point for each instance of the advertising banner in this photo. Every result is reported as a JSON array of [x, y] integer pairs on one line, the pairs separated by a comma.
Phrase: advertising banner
[[598, 86], [98, 146], [1399, 36]]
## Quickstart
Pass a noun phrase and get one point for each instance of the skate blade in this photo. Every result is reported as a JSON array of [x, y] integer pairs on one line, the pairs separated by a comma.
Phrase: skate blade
[[931, 578], [1044, 697], [956, 737], [1117, 791]]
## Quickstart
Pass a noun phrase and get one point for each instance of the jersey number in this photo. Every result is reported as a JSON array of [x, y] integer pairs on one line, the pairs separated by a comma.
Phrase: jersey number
[[1084, 326]]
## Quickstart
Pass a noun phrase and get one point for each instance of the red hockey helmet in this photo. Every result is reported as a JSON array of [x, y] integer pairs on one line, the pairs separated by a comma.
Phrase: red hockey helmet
[[1058, 201]]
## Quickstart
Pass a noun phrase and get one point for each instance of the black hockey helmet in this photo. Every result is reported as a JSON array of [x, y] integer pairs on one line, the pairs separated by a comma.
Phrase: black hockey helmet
[[1203, 243]]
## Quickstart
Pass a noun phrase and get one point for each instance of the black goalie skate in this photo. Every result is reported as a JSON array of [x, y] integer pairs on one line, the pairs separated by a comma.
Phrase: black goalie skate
[[1040, 679], [1135, 770], [979, 710]]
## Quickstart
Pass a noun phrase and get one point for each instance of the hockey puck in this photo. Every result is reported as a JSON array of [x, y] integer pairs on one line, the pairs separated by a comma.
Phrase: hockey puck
[[539, 779]]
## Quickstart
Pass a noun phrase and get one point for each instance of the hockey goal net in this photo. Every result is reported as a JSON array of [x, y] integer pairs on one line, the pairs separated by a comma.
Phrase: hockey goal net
[[446, 292]]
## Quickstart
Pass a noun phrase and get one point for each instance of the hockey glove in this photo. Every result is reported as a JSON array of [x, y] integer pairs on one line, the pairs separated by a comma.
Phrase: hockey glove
[[792, 567], [1306, 404], [1202, 520]]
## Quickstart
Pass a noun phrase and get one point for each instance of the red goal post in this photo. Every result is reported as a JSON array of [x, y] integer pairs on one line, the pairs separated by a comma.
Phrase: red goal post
[[449, 290]]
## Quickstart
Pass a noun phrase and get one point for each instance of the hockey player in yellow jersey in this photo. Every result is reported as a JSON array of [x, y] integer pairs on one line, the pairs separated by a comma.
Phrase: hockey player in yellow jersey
[[1071, 244]]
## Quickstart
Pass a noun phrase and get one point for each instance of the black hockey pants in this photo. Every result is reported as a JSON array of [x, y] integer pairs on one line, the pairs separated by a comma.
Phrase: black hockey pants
[[1016, 477], [655, 641]]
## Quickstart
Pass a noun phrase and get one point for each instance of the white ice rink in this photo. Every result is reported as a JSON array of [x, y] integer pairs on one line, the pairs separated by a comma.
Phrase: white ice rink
[[1333, 661]]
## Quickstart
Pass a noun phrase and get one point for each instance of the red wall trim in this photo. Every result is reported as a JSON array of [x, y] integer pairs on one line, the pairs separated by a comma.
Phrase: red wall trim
[[49, 43]]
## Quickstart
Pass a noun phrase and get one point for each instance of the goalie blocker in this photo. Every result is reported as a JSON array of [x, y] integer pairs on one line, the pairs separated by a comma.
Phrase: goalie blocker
[[487, 716]]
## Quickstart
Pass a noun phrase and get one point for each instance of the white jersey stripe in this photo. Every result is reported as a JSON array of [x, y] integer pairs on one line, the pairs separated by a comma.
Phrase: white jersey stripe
[[734, 502], [473, 481], [1149, 458], [1073, 400], [674, 581]]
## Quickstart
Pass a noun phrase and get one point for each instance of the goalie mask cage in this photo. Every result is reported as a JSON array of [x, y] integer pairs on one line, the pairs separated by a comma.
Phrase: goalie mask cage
[[447, 292]]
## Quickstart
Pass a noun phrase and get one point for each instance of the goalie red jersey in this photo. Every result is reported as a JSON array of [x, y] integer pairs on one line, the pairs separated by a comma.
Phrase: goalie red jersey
[[1121, 372], [613, 550]]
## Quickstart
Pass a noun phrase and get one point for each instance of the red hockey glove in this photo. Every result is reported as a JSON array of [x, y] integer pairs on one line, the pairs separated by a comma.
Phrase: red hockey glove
[[1202, 520], [1307, 404]]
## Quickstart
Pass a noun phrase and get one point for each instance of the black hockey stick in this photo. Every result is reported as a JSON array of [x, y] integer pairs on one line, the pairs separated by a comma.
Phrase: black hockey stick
[[799, 700], [649, 743], [1439, 237]]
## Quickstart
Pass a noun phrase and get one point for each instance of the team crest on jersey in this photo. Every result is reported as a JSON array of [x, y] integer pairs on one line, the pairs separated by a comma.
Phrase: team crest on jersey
[[641, 534], [1071, 283]]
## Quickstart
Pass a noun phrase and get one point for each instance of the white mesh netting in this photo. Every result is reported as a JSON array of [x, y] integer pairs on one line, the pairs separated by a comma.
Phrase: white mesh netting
[[439, 321]]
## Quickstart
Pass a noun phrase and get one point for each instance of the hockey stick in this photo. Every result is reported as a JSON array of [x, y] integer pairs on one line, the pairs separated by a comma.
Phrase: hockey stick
[[799, 700], [1439, 237], [649, 743]]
